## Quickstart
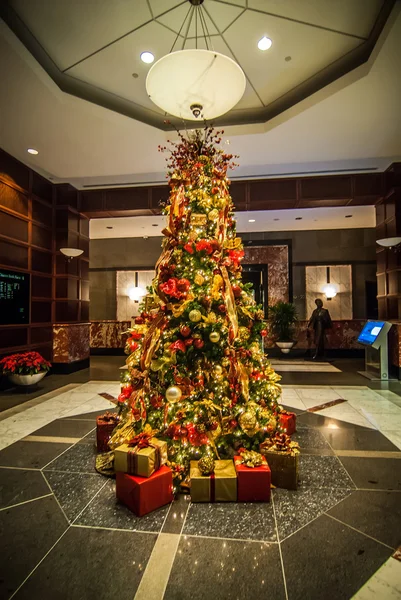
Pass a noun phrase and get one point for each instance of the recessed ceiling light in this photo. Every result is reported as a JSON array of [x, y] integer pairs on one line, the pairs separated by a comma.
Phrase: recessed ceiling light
[[109, 227], [145, 237], [33, 151], [265, 43], [348, 216], [135, 75], [288, 58], [251, 220], [147, 57], [298, 218], [276, 219], [155, 224]]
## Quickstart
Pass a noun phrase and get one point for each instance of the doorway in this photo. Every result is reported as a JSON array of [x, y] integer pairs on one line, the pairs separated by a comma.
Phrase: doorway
[[257, 275]]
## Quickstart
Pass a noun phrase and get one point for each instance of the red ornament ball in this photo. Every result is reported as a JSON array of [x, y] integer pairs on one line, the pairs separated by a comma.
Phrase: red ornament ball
[[185, 330], [263, 333], [236, 290], [199, 343]]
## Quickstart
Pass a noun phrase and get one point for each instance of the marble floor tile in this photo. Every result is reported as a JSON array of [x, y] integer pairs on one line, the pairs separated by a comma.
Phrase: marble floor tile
[[225, 570], [344, 412], [32, 455], [156, 575], [385, 584], [17, 485], [357, 438], [375, 406], [317, 420], [80, 458], [96, 404], [89, 564], [74, 490], [231, 520], [315, 396], [106, 511], [377, 514], [91, 416], [355, 393], [374, 473], [295, 508], [293, 402], [394, 437], [95, 387], [384, 421], [26, 536], [314, 560], [323, 472]]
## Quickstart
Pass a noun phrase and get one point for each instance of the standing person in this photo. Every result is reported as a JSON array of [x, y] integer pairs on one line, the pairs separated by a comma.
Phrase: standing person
[[320, 321]]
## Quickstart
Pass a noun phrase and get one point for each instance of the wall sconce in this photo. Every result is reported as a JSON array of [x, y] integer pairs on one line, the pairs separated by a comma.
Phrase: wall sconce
[[71, 253], [329, 290], [136, 293], [389, 242]]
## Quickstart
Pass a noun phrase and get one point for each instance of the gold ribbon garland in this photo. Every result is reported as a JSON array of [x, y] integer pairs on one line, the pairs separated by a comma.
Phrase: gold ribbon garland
[[230, 302]]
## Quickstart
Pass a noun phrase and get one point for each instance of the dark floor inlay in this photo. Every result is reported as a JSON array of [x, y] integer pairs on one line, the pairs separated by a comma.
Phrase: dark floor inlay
[[74, 490], [374, 473], [294, 509], [78, 459], [33, 455], [17, 486], [65, 428], [225, 570], [375, 513], [358, 438], [327, 559], [232, 520], [28, 531], [105, 511], [323, 472], [326, 405], [91, 564]]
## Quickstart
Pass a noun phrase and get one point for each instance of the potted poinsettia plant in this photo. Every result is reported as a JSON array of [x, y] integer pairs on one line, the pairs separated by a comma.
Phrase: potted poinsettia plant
[[26, 368], [282, 319]]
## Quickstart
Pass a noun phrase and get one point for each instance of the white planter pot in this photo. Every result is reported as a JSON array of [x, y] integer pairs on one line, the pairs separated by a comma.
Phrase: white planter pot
[[26, 379], [285, 347]]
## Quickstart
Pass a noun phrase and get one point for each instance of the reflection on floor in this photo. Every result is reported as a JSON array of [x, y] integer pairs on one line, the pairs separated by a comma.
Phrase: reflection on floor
[[64, 535], [303, 366]]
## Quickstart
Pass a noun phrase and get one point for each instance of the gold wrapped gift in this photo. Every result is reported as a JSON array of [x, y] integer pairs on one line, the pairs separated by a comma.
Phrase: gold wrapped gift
[[140, 461], [221, 486]]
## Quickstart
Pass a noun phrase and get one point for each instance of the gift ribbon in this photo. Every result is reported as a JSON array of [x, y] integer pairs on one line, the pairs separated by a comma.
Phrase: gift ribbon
[[151, 339], [230, 302], [132, 458], [212, 488]]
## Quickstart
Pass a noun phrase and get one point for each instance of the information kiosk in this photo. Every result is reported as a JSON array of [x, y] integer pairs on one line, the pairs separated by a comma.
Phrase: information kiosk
[[374, 336]]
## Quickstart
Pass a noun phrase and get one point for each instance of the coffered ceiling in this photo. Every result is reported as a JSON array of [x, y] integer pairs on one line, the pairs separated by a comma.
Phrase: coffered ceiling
[[92, 49]]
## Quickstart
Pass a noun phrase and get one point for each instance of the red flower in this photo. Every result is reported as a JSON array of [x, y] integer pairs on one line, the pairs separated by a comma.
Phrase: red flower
[[183, 285], [204, 245], [136, 336], [178, 345], [170, 288], [189, 247]]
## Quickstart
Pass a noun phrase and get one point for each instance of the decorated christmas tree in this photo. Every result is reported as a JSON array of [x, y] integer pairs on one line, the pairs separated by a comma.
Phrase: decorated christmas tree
[[197, 374]]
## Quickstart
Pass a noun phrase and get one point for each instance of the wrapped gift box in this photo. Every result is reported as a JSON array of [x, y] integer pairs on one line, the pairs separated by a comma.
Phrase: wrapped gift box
[[284, 468], [104, 428], [253, 483], [288, 421], [221, 486], [142, 495], [140, 461]]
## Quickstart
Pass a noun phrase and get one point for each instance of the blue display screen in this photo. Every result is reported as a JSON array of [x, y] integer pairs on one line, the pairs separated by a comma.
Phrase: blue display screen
[[370, 332]]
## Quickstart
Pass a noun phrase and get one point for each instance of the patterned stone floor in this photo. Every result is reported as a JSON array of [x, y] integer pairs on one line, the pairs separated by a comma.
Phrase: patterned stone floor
[[64, 535]]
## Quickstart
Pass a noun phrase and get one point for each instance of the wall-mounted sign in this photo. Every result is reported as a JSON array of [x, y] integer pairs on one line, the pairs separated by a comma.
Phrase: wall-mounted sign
[[14, 297]]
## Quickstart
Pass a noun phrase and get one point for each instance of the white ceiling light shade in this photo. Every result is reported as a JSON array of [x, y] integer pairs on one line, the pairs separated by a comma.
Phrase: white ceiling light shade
[[389, 242], [147, 57], [329, 291], [33, 151], [265, 43], [71, 252], [195, 83], [136, 293]]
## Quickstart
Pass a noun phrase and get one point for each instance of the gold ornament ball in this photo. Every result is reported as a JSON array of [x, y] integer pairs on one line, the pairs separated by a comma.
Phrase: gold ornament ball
[[248, 421], [173, 393], [214, 337], [225, 362], [206, 465], [156, 364], [199, 279], [213, 215], [218, 369], [195, 315]]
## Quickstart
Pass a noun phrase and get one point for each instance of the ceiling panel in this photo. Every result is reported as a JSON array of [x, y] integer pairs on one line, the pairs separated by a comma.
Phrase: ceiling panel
[[355, 17], [175, 18], [161, 6], [272, 76], [221, 14], [112, 69], [69, 30]]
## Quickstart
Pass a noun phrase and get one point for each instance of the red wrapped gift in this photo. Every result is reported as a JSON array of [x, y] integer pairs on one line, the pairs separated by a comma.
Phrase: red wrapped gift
[[253, 483], [144, 494], [288, 421], [104, 428]]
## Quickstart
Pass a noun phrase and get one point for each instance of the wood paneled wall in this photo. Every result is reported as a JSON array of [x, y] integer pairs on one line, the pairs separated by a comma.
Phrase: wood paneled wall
[[36, 219]]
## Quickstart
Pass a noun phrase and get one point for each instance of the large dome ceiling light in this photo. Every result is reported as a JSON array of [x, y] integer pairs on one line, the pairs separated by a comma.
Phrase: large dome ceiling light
[[195, 83]]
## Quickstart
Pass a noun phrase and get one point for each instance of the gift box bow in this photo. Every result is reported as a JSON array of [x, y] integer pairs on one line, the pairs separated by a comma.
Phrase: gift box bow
[[109, 417], [280, 443], [249, 458]]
